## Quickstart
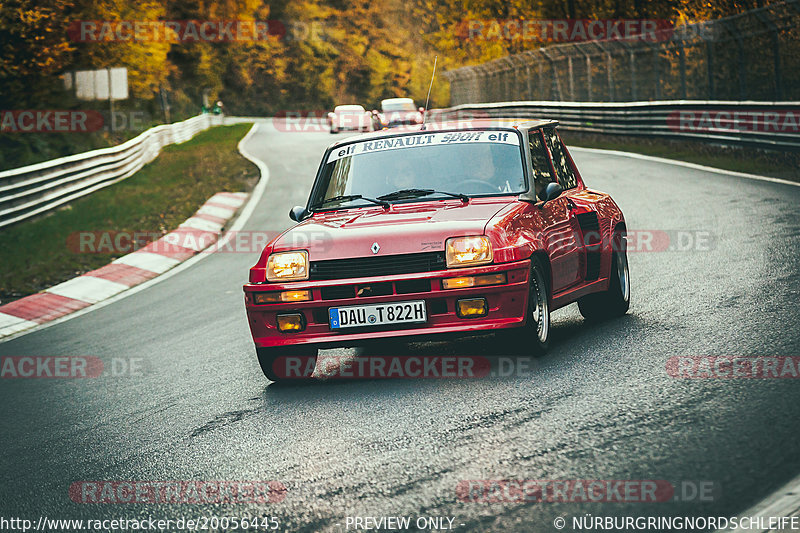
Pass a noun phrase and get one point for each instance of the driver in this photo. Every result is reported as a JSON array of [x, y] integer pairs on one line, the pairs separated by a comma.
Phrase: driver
[[489, 173], [402, 175], [484, 168]]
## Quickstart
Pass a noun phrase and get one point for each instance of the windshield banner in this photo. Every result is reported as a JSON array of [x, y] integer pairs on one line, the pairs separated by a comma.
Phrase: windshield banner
[[424, 139]]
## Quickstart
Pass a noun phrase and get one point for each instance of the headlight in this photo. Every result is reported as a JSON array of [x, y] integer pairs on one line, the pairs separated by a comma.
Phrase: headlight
[[287, 266], [468, 251]]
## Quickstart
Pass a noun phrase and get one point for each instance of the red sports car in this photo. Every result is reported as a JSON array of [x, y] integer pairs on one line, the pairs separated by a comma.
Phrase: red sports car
[[415, 234]]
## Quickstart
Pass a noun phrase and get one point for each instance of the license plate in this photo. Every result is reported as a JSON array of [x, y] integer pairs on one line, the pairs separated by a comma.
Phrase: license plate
[[359, 316]]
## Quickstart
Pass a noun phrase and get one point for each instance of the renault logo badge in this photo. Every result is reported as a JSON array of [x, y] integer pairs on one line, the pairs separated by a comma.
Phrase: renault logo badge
[[375, 248]]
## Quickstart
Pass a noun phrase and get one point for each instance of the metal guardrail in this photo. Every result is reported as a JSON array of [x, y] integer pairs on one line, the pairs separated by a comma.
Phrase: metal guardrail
[[765, 125], [35, 189]]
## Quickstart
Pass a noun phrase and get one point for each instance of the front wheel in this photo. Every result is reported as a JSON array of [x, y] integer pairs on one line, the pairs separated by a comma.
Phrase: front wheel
[[287, 363], [617, 299], [534, 337]]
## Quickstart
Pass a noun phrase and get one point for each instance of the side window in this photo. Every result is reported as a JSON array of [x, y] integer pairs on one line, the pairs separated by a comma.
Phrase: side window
[[564, 171], [542, 173]]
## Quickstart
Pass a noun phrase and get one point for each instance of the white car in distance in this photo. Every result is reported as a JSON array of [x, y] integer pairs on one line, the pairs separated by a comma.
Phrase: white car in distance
[[349, 117], [397, 112]]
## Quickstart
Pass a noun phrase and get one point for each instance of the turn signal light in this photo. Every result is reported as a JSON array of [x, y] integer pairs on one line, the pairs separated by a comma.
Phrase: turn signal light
[[285, 296], [295, 296], [474, 281]]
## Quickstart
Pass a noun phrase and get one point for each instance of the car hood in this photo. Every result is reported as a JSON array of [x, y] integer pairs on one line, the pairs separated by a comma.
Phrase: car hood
[[403, 229]]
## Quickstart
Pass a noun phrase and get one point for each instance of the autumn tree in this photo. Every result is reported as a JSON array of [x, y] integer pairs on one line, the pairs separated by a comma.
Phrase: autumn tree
[[33, 50]]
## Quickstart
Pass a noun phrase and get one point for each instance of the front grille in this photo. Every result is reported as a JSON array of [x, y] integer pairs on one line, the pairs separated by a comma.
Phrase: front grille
[[320, 315], [437, 307], [410, 286], [386, 265], [374, 289], [339, 292]]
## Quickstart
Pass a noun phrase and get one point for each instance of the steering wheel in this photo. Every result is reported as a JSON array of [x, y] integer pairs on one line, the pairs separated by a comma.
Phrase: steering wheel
[[485, 185]]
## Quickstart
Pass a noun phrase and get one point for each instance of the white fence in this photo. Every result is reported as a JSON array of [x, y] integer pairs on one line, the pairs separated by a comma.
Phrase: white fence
[[35, 189]]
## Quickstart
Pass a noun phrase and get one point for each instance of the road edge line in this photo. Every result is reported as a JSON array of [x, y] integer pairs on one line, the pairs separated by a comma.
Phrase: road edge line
[[238, 223], [685, 164]]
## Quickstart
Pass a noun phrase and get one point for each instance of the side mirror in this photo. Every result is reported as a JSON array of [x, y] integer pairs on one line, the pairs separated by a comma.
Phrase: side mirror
[[551, 192], [298, 213]]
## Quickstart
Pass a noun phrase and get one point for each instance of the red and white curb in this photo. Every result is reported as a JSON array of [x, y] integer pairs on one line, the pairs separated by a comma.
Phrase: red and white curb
[[195, 234]]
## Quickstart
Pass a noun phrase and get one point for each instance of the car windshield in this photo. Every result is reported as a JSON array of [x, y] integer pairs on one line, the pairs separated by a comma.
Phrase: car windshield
[[475, 163], [398, 106]]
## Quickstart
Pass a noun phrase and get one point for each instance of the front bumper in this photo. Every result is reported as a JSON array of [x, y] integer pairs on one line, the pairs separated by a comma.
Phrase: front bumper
[[507, 304]]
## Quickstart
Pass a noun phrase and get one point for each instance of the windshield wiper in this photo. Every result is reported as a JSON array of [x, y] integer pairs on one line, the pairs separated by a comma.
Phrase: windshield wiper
[[349, 197], [417, 193]]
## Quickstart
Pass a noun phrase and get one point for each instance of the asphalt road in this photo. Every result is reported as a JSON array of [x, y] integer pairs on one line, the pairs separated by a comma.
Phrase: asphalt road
[[599, 405]]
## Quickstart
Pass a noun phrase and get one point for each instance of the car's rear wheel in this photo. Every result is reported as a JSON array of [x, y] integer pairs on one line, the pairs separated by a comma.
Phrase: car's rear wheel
[[616, 300], [288, 363], [534, 337]]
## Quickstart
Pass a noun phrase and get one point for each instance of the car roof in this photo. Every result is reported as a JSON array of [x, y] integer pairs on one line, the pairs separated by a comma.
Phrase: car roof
[[397, 100], [454, 125], [348, 107]]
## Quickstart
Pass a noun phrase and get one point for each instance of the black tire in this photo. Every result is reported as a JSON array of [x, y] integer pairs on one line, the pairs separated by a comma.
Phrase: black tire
[[617, 299], [534, 337], [334, 130], [267, 357]]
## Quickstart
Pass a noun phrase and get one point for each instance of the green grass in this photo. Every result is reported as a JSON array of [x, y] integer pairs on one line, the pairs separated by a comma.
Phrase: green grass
[[784, 165], [34, 254]]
